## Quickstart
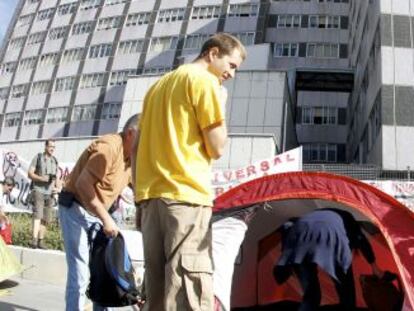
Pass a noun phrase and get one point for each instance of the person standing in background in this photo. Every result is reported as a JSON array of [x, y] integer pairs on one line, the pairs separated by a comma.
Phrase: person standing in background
[[182, 130], [42, 171]]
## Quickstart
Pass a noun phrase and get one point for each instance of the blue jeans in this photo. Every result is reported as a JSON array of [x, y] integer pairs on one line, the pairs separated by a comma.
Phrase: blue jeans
[[75, 223]]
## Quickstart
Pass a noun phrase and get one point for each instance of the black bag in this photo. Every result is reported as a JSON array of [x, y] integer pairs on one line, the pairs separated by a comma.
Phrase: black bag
[[112, 282], [380, 294]]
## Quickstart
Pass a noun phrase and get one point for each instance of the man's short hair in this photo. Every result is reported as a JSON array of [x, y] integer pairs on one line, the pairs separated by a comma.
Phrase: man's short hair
[[225, 43], [50, 140], [132, 122], [9, 181]]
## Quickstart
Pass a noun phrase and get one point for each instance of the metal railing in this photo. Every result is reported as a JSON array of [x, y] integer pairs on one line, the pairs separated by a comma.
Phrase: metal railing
[[362, 172]]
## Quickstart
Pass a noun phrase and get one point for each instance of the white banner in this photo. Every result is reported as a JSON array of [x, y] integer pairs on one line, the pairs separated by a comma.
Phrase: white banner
[[289, 161], [403, 191], [222, 180], [17, 167]]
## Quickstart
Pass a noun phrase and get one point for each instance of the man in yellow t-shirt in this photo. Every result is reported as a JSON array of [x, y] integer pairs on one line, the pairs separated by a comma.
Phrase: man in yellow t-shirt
[[182, 129]]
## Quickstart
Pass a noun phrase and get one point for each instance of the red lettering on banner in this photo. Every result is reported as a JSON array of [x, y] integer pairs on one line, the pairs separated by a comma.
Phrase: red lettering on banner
[[240, 174], [251, 170], [264, 166], [289, 159], [277, 161], [215, 180], [218, 191], [227, 175]]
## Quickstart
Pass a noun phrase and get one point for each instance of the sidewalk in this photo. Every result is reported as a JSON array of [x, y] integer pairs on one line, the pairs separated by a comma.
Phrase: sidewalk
[[19, 294], [22, 294]]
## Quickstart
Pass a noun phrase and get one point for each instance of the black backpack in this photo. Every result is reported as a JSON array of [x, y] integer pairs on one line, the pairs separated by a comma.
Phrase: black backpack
[[112, 282]]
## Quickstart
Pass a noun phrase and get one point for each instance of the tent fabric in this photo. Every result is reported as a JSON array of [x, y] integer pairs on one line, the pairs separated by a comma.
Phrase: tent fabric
[[228, 234], [394, 220]]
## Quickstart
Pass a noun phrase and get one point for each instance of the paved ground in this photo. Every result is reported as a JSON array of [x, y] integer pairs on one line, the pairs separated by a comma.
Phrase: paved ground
[[19, 294]]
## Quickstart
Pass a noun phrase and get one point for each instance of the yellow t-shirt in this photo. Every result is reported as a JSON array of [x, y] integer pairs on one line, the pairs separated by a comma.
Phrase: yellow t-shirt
[[172, 160]]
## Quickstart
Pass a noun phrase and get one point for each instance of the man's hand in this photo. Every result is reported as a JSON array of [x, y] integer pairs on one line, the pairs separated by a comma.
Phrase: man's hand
[[110, 228]]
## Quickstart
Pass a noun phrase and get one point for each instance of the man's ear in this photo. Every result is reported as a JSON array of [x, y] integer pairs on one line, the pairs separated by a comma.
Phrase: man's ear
[[213, 53]]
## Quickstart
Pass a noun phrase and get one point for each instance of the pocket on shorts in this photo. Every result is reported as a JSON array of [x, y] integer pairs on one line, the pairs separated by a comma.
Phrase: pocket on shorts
[[198, 281]]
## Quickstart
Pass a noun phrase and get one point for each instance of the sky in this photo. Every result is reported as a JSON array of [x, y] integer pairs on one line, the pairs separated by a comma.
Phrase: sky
[[6, 12]]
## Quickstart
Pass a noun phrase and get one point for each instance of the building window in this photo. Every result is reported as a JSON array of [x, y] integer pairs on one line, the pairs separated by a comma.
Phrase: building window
[[324, 21], [48, 59], [81, 28], [24, 20], [72, 55], [285, 50], [40, 87], [16, 43], [112, 2], [163, 43], [57, 33], [195, 41], [36, 38], [205, 12], [92, 80], [306, 115], [121, 77], [155, 70], [4, 93], [59, 114], [33, 117], [243, 10], [45, 14], [20, 90], [320, 115], [12, 119], [27, 63], [89, 4], [101, 50], [130, 47], [247, 38], [65, 9], [111, 111], [323, 50], [333, 22], [109, 23], [7, 68], [84, 113], [320, 152], [65, 84], [288, 21], [170, 15], [138, 19], [331, 1]]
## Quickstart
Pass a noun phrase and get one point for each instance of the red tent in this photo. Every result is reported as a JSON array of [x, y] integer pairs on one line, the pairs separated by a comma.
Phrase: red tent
[[280, 197]]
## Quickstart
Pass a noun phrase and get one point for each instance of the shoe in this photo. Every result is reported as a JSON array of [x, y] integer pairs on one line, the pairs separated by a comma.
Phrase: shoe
[[41, 244]]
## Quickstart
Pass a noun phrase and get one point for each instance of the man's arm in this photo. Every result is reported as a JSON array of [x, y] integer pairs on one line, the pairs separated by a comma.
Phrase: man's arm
[[215, 138], [88, 197], [33, 176], [138, 211]]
